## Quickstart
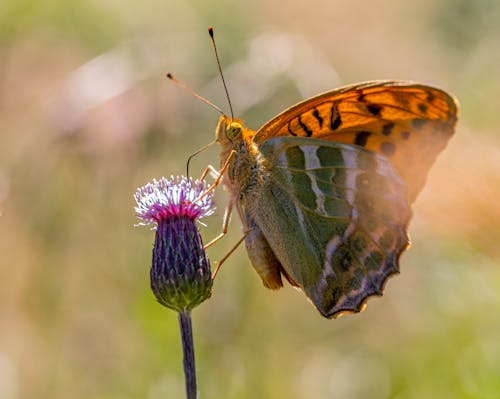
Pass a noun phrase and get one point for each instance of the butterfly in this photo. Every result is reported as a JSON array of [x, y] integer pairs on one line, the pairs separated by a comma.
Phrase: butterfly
[[324, 190]]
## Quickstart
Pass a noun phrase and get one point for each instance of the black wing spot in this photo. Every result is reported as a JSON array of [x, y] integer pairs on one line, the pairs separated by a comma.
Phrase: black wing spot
[[387, 148], [405, 135], [418, 123], [387, 128], [362, 138], [374, 109], [290, 129], [318, 117], [336, 122], [335, 119], [422, 108], [308, 131]]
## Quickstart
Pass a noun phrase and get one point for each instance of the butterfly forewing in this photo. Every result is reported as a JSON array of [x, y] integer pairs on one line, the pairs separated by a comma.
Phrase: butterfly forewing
[[344, 211], [408, 123]]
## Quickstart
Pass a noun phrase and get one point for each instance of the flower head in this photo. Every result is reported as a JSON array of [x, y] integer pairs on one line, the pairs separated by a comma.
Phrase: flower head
[[176, 196], [180, 270]]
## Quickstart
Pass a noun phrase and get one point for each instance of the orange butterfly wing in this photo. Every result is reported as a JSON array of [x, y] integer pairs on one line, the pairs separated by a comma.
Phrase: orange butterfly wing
[[407, 122]]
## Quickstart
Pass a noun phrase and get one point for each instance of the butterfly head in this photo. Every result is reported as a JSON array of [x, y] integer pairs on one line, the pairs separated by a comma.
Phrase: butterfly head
[[228, 130]]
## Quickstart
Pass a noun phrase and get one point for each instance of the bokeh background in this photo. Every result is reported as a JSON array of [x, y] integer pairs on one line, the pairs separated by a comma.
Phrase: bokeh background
[[86, 116]]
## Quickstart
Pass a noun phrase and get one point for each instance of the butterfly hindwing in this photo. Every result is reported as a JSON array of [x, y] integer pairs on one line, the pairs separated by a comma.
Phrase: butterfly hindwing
[[344, 211], [408, 123]]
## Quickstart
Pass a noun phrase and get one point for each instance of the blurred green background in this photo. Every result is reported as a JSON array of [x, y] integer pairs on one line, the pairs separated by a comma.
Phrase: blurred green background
[[86, 116]]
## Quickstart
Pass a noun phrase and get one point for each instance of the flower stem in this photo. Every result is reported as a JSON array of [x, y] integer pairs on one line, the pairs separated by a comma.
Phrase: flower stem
[[188, 354]]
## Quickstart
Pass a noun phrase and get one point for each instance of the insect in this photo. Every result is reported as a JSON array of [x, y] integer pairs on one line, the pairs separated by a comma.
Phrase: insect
[[324, 190]]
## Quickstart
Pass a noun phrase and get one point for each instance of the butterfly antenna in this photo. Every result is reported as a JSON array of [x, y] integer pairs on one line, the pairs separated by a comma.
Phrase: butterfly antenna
[[196, 153], [211, 33], [193, 93]]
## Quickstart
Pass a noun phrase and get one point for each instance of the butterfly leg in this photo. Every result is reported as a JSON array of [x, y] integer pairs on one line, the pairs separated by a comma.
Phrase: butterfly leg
[[224, 258], [229, 209], [225, 224], [220, 175], [210, 169]]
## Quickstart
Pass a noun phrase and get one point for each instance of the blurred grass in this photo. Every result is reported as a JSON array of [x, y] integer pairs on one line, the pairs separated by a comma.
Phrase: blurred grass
[[86, 116]]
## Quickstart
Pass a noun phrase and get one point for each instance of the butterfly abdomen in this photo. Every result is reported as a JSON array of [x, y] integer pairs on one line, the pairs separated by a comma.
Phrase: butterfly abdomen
[[262, 256]]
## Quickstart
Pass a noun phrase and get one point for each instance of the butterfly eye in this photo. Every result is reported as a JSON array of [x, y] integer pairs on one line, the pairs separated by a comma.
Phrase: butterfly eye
[[233, 130]]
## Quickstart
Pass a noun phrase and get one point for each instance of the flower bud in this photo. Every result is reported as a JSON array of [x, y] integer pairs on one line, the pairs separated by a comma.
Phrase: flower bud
[[180, 271]]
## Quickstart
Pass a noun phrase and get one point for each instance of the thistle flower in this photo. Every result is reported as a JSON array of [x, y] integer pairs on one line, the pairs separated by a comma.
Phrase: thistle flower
[[180, 270]]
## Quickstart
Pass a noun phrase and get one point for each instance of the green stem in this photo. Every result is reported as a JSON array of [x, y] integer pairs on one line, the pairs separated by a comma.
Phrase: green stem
[[188, 354]]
